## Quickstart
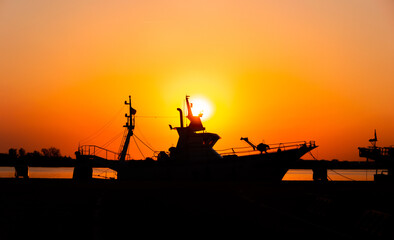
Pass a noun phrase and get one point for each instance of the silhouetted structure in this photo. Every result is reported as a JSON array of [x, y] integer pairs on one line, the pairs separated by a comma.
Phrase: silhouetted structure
[[194, 158], [83, 169], [261, 146], [382, 156], [20, 163]]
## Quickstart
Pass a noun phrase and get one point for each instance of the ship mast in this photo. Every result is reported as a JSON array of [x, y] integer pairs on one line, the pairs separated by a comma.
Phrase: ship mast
[[195, 121], [130, 124]]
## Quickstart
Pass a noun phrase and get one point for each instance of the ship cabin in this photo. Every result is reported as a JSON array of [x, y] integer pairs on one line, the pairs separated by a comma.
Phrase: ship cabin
[[194, 144]]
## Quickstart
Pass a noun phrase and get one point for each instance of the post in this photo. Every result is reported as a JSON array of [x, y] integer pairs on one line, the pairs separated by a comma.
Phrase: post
[[319, 174], [181, 116], [83, 169]]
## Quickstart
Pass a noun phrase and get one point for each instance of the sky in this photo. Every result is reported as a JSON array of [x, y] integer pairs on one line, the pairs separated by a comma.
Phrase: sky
[[273, 71]]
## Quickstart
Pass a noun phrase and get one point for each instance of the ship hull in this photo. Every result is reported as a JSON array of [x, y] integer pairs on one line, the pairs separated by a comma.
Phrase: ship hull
[[270, 166]]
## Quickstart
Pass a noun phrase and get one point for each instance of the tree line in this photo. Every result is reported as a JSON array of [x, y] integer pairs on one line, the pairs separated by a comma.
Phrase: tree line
[[51, 152], [47, 157]]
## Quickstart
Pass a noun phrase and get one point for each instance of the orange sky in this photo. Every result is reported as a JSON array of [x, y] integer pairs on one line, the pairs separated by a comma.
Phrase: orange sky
[[275, 71]]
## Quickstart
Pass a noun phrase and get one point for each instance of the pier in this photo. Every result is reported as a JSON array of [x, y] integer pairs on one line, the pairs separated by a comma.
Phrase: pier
[[320, 167], [101, 209], [90, 160]]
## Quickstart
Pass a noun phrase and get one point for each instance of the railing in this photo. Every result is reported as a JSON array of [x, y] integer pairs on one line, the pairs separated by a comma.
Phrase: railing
[[272, 147], [93, 150], [387, 151], [376, 151]]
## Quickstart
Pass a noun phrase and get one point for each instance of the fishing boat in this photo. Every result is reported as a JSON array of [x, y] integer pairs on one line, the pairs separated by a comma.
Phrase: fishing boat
[[194, 157], [383, 157]]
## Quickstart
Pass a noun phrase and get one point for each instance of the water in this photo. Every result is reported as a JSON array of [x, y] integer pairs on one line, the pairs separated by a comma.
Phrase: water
[[59, 172], [292, 174], [335, 175]]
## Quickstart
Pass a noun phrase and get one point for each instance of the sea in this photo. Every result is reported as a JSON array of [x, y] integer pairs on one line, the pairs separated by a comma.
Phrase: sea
[[106, 173], [56, 172]]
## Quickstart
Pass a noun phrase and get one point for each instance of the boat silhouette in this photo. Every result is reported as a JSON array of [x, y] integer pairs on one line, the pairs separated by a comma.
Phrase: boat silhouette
[[194, 157], [383, 158]]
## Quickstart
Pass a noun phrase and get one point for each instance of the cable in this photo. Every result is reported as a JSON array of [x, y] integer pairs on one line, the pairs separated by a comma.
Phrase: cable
[[138, 147], [140, 132], [342, 175], [98, 132], [312, 156], [112, 140], [144, 143]]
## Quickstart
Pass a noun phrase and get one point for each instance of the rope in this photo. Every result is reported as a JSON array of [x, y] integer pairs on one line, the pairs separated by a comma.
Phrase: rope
[[101, 172], [144, 143], [104, 173], [143, 137], [138, 147], [100, 131], [342, 175], [334, 171], [112, 140], [312, 156]]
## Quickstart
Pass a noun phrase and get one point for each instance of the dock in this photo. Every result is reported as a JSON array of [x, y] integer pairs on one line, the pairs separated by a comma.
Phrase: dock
[[319, 167], [101, 209]]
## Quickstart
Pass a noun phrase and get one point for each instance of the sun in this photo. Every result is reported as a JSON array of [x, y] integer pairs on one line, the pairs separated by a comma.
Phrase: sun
[[200, 105]]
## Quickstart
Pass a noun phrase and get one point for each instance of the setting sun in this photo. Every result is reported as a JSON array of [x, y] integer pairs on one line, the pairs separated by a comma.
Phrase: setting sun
[[201, 106], [272, 70], [196, 117]]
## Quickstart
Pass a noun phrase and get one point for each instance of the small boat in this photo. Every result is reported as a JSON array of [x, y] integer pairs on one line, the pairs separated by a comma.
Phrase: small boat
[[194, 157]]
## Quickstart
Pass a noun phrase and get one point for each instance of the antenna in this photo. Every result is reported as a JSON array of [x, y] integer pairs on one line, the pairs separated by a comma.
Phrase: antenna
[[374, 140], [129, 128]]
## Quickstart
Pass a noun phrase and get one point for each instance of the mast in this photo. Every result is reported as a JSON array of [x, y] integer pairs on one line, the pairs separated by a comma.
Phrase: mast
[[129, 128], [373, 140], [189, 108], [195, 121]]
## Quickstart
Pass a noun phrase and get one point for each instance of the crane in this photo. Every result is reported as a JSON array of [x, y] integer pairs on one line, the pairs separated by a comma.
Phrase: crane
[[262, 147]]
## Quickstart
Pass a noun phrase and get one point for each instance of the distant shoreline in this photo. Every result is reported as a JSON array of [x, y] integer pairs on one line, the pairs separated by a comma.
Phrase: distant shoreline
[[43, 162]]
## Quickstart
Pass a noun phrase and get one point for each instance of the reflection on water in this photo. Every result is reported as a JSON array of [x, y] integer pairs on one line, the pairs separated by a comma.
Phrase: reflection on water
[[61, 172], [40, 172], [298, 175], [291, 175], [104, 173], [7, 172], [335, 175]]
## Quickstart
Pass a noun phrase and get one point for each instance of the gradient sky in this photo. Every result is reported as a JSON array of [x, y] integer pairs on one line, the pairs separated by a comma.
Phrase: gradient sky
[[274, 71]]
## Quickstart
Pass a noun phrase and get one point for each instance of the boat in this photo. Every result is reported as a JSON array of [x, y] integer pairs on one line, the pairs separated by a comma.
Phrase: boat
[[383, 157], [194, 157]]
